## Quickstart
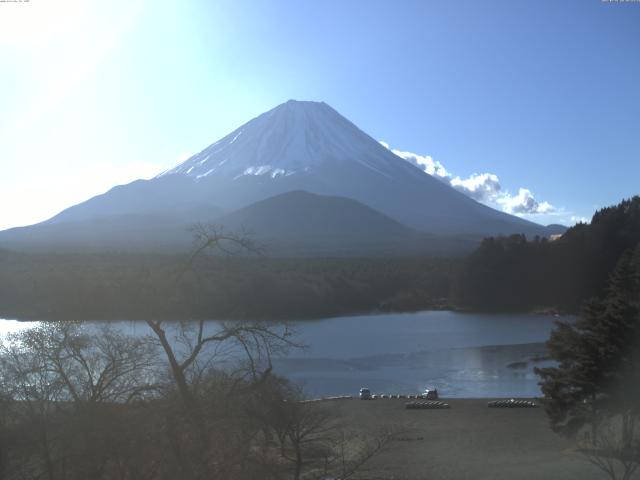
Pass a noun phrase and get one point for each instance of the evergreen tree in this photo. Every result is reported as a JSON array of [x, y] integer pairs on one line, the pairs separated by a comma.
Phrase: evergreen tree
[[511, 273], [596, 376]]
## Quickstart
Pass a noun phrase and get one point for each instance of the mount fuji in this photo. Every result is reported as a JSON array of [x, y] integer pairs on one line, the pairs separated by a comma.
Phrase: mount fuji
[[300, 154]]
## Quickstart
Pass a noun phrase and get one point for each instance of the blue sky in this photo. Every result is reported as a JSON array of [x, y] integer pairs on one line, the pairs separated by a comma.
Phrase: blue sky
[[538, 95]]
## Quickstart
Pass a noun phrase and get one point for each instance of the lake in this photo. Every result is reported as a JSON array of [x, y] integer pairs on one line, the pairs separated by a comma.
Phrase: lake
[[460, 354]]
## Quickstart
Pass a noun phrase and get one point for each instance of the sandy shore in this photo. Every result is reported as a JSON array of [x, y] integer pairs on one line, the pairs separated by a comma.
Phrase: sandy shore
[[467, 441]]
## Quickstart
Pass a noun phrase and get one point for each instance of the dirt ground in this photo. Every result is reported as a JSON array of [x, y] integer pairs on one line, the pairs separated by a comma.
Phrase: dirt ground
[[467, 441]]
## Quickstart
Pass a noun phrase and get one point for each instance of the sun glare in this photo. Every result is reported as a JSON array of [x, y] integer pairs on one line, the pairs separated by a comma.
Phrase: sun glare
[[34, 24]]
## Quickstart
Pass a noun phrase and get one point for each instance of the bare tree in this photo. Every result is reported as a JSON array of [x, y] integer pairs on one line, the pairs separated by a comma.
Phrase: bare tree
[[63, 385], [308, 435], [195, 349], [104, 365], [616, 448], [318, 444], [193, 400], [193, 340], [33, 392], [312, 439], [208, 238]]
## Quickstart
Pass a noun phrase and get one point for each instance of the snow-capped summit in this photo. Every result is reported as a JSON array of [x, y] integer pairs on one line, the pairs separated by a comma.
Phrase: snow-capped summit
[[293, 138], [295, 147]]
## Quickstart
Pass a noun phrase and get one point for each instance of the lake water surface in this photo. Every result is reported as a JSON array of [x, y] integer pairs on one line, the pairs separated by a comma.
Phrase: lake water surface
[[461, 354]]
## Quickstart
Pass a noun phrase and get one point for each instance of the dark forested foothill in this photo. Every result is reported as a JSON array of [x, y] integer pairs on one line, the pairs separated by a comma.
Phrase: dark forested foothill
[[513, 273], [134, 286]]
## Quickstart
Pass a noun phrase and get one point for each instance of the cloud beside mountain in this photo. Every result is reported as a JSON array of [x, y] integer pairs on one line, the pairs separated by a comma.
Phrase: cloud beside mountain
[[482, 187], [524, 203], [423, 162]]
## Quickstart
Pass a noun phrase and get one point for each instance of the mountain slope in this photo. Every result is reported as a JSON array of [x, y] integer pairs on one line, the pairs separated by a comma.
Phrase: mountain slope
[[297, 146], [304, 223], [309, 146], [149, 231]]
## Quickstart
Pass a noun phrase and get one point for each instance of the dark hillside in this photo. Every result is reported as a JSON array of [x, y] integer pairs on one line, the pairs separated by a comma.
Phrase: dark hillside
[[511, 273], [132, 286]]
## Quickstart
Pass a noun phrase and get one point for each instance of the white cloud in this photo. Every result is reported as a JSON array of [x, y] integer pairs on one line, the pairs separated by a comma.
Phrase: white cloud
[[483, 187], [579, 219], [423, 162], [523, 203]]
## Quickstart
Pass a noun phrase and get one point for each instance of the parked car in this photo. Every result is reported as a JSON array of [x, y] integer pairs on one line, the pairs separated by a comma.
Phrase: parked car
[[365, 394]]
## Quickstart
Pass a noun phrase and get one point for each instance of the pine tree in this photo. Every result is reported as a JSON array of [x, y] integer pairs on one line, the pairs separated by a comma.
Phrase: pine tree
[[597, 371]]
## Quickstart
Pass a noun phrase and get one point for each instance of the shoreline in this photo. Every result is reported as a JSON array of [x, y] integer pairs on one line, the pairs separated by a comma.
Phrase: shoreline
[[545, 312]]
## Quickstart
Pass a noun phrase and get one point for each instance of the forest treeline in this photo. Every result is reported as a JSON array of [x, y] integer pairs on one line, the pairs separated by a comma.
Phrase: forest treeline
[[132, 286], [504, 274], [512, 273]]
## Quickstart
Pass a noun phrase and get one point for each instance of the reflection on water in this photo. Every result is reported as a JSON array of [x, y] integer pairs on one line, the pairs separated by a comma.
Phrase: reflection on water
[[500, 371], [463, 355]]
